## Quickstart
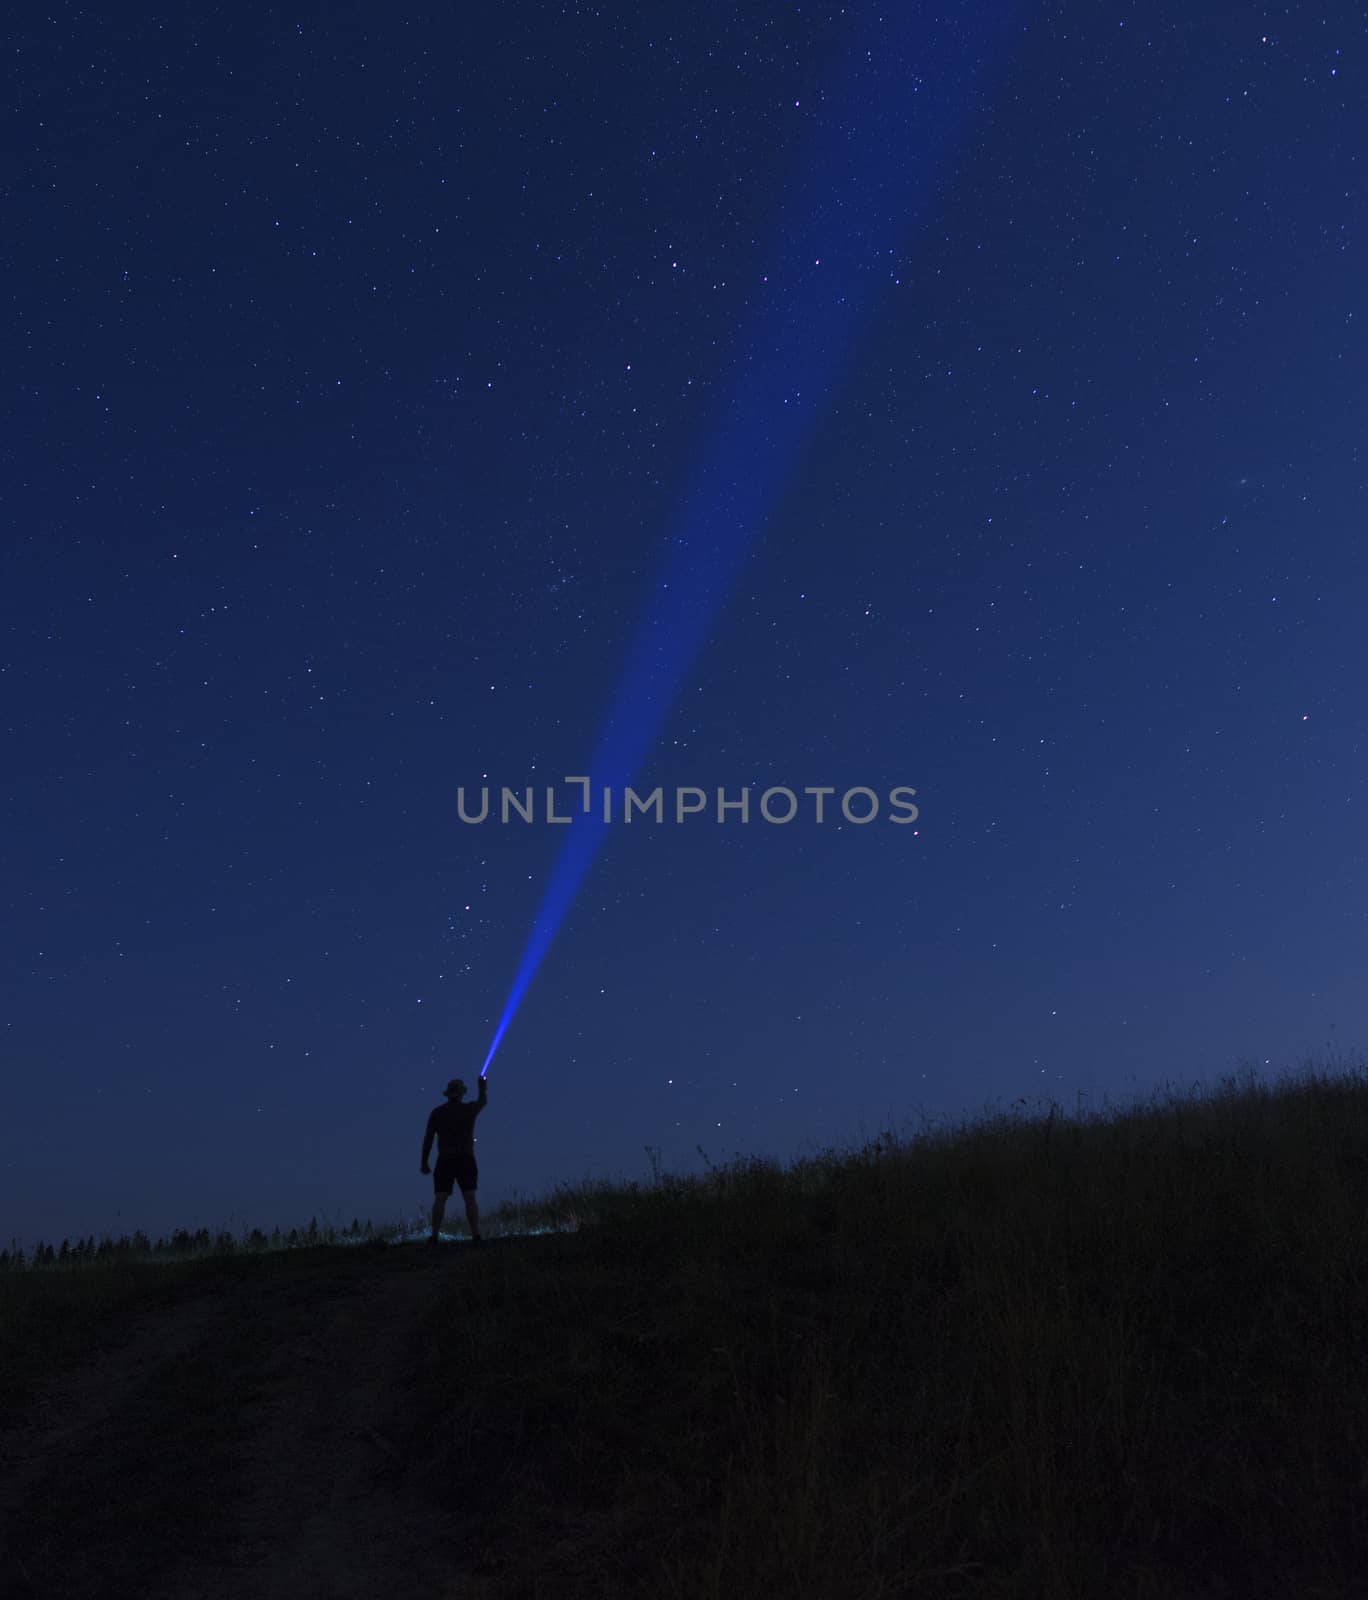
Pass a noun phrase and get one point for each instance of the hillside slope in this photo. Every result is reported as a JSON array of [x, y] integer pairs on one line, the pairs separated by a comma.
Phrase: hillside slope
[[1029, 1358]]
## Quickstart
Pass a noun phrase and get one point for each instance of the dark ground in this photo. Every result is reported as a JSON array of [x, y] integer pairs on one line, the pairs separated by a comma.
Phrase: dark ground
[[254, 1443]]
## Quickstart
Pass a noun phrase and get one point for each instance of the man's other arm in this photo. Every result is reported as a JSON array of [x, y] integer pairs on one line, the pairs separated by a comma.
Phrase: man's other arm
[[428, 1135]]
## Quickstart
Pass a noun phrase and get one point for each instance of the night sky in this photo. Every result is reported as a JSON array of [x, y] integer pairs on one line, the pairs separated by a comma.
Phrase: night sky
[[358, 363]]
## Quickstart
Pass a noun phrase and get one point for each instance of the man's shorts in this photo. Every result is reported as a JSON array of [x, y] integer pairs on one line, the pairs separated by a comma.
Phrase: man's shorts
[[459, 1171]]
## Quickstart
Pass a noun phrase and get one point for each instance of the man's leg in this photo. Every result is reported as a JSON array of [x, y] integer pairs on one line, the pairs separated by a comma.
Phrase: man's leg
[[438, 1212], [472, 1212]]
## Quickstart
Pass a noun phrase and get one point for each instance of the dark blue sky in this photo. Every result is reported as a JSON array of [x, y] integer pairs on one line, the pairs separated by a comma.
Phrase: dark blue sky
[[356, 363]]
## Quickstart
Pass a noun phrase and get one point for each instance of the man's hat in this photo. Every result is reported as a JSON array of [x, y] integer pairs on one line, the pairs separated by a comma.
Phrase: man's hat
[[453, 1086]]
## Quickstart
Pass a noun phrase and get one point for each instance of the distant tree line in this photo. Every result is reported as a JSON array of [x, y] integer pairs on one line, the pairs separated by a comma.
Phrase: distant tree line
[[181, 1244]]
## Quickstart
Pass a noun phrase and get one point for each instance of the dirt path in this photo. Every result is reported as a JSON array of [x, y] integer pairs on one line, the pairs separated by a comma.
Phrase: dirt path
[[77, 1408], [265, 1441], [336, 1505]]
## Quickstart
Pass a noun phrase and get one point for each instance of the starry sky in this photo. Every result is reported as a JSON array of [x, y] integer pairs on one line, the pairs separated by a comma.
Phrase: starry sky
[[357, 362]]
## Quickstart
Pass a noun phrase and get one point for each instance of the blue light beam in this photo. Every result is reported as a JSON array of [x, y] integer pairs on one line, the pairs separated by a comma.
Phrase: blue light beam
[[899, 105]]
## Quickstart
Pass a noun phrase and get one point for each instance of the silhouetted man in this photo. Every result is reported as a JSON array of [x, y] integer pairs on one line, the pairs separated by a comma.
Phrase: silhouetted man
[[453, 1126]]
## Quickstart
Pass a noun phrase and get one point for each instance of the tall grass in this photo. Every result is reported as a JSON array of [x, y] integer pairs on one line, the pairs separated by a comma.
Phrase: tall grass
[[1116, 1355]]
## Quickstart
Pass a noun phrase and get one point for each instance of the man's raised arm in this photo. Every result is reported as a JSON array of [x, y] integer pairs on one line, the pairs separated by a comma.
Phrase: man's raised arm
[[484, 1095]]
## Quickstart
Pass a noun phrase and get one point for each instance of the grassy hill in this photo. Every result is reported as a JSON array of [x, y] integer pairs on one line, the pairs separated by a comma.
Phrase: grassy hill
[[1030, 1356]]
